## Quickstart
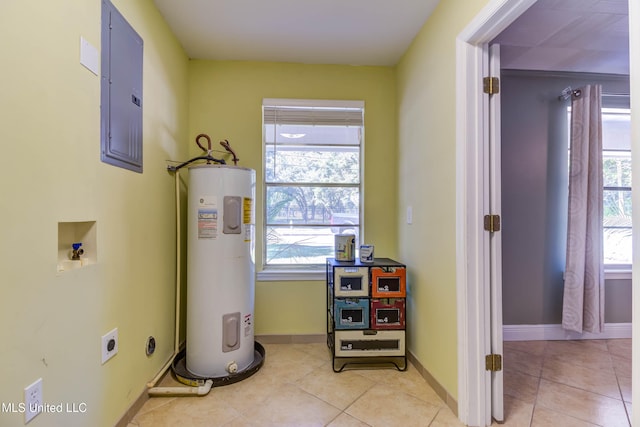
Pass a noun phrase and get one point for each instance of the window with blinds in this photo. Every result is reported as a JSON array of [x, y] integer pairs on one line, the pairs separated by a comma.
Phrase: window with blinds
[[313, 178]]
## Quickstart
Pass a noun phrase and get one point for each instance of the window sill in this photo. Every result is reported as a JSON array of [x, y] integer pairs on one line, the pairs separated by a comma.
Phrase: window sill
[[617, 274], [297, 275], [614, 274], [310, 275]]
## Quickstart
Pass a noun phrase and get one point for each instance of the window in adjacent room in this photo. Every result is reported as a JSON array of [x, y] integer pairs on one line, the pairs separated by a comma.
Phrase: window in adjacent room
[[616, 192], [313, 179], [616, 171]]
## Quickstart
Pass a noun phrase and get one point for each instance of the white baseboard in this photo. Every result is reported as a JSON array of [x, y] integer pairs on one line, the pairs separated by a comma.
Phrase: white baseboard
[[555, 332]]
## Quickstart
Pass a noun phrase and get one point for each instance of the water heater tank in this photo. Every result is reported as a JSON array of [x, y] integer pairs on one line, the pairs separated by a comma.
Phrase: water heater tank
[[220, 270]]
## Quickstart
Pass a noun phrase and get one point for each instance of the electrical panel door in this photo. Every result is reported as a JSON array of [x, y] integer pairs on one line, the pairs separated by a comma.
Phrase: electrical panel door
[[121, 91]]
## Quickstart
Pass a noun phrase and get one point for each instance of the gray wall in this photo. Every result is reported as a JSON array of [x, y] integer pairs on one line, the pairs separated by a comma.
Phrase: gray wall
[[534, 197]]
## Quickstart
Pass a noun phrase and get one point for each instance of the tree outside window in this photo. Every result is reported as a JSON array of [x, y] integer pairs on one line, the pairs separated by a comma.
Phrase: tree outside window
[[312, 167]]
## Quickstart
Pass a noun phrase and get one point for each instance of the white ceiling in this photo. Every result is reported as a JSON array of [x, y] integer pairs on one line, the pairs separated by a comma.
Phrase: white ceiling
[[553, 35], [569, 35], [356, 32]]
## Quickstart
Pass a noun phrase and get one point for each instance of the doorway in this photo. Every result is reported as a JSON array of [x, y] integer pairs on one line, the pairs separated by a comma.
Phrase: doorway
[[473, 271], [534, 154]]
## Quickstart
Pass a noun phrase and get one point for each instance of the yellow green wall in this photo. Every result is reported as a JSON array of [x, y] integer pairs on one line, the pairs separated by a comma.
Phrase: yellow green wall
[[426, 163], [226, 103], [52, 322], [51, 172]]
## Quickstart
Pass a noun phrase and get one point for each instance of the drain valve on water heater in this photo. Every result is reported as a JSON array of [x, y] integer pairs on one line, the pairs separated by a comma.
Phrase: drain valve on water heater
[[232, 367]]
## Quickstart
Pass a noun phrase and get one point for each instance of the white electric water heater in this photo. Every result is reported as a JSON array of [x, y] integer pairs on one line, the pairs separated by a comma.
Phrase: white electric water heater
[[220, 270]]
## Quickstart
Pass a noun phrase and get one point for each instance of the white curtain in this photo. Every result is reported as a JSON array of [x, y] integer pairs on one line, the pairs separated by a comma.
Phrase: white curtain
[[583, 302]]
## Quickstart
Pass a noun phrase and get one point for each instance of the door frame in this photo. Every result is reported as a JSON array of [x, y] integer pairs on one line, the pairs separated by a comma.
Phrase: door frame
[[472, 203], [474, 406], [495, 239]]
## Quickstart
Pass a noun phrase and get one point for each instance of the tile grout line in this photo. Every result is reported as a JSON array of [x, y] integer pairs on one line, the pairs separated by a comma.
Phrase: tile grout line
[[615, 371], [545, 357], [342, 411], [535, 400]]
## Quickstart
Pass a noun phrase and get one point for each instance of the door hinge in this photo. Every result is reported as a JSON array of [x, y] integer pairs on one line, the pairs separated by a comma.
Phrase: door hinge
[[491, 85], [492, 223], [493, 362]]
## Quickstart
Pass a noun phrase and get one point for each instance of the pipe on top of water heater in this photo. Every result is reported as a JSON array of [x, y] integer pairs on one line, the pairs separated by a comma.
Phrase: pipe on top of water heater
[[208, 150], [225, 144]]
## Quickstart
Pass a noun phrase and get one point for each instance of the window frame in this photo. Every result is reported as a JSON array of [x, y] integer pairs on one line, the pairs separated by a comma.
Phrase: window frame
[[616, 270], [309, 271], [620, 270]]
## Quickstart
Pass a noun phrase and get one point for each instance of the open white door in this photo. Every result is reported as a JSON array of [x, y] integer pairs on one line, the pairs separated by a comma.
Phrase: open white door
[[495, 240], [478, 257]]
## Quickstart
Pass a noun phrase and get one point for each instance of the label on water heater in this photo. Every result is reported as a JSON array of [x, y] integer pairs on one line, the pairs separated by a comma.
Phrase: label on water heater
[[247, 217], [248, 325], [246, 207], [207, 217], [207, 223]]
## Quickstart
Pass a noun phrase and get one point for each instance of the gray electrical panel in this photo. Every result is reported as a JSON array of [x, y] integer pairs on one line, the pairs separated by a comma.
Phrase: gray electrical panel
[[121, 91]]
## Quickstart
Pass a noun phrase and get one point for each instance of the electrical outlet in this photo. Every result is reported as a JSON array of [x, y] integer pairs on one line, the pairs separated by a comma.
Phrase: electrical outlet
[[109, 345], [33, 400]]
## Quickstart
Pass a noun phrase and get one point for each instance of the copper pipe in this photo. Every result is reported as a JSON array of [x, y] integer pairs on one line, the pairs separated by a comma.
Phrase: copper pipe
[[227, 147]]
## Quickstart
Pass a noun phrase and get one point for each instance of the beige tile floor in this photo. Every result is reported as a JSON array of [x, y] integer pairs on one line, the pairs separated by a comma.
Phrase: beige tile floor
[[547, 383], [567, 383]]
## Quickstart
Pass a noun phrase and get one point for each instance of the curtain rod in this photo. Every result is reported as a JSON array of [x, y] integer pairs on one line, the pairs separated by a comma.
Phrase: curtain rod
[[568, 92]]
